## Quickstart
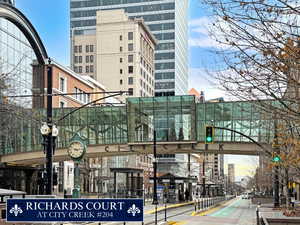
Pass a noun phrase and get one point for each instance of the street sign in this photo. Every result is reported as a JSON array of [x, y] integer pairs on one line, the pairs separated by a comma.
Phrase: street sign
[[74, 210]]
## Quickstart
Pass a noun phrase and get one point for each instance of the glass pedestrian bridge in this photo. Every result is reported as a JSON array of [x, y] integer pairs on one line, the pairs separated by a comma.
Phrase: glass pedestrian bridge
[[176, 119]]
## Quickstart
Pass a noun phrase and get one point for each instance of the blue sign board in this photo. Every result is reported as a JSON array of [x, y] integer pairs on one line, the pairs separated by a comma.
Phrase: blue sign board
[[74, 210]]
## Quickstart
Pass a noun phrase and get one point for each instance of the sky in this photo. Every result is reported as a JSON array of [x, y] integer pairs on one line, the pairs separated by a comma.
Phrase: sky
[[52, 22]]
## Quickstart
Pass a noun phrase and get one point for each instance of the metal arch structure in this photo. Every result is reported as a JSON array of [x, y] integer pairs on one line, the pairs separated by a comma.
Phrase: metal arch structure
[[12, 14]]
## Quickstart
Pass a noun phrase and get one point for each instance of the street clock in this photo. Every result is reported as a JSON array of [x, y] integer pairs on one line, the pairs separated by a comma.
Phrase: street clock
[[77, 148]]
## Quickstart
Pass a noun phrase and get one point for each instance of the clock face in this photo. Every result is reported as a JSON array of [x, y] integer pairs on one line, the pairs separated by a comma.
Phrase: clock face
[[76, 150]]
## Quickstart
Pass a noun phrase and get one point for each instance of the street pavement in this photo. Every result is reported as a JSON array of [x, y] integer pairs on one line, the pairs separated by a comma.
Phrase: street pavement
[[235, 212]]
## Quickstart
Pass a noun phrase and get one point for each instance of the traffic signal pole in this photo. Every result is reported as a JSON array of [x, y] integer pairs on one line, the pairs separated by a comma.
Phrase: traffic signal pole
[[276, 150]]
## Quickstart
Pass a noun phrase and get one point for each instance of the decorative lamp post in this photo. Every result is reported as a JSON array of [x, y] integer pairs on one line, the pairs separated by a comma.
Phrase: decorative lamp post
[[49, 133]]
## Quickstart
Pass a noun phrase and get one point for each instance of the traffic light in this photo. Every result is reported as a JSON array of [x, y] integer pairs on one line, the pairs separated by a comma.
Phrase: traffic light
[[209, 134], [276, 157]]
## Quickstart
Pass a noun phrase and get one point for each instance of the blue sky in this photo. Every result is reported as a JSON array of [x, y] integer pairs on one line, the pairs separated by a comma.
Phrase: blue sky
[[51, 20]]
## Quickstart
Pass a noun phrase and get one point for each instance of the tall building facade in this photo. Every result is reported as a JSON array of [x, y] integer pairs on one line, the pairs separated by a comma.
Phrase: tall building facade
[[122, 50], [231, 174], [167, 20]]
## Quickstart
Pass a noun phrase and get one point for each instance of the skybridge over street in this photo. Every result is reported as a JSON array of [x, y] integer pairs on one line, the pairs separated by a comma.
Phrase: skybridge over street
[[123, 130]]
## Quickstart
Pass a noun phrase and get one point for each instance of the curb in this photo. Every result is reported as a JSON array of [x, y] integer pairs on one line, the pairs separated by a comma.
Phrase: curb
[[168, 207]]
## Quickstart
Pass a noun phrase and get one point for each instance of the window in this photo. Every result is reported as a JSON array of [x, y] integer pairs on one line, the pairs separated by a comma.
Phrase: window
[[87, 48], [121, 49], [121, 81], [87, 59], [76, 69], [79, 48], [91, 48], [130, 47], [76, 59], [121, 37], [91, 58], [80, 59], [130, 80], [130, 58], [130, 91], [79, 69], [121, 71], [75, 48], [130, 35], [62, 84], [121, 60], [130, 69], [87, 69], [91, 69]]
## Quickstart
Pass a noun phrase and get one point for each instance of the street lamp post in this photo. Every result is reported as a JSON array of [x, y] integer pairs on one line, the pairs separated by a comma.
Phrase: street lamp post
[[155, 202]]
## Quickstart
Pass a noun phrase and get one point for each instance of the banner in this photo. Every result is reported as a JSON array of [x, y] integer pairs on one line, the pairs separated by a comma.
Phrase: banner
[[74, 210]]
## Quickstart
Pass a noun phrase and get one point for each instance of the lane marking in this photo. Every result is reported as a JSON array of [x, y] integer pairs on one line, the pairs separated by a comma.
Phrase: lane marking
[[176, 222]]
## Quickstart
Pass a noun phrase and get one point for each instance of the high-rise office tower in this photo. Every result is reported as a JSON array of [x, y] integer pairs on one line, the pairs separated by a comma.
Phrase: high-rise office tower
[[168, 21], [231, 174]]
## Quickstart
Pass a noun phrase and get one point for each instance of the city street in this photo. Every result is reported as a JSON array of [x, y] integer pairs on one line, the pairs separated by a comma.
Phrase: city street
[[234, 212], [237, 211]]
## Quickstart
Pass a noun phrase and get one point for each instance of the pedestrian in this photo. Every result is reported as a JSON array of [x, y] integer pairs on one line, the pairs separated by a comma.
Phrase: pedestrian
[[187, 194], [293, 200]]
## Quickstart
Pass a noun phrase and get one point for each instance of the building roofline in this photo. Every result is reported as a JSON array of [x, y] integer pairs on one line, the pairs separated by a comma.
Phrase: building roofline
[[72, 73], [141, 22]]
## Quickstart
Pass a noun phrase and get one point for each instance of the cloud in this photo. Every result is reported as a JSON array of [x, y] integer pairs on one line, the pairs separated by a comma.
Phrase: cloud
[[202, 80], [199, 33]]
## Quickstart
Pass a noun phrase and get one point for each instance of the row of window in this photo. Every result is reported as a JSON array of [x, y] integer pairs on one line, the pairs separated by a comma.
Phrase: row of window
[[88, 59], [164, 85], [129, 36], [164, 66], [146, 77], [145, 86], [88, 48], [146, 66], [165, 36], [147, 18], [165, 46], [82, 96], [88, 69], [130, 9], [130, 59], [166, 55], [130, 70], [92, 3], [162, 26], [130, 47], [167, 75]]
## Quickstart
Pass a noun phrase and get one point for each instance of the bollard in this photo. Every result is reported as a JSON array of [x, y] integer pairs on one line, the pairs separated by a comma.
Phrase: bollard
[[257, 213]]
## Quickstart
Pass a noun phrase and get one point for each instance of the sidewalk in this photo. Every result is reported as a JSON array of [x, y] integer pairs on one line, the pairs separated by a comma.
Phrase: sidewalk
[[268, 215]]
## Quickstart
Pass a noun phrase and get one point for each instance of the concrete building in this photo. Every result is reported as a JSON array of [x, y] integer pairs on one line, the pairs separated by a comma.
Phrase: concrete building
[[231, 174], [168, 21], [120, 55]]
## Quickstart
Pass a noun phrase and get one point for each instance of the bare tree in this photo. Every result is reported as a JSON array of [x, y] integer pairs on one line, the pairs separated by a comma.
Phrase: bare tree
[[260, 61]]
